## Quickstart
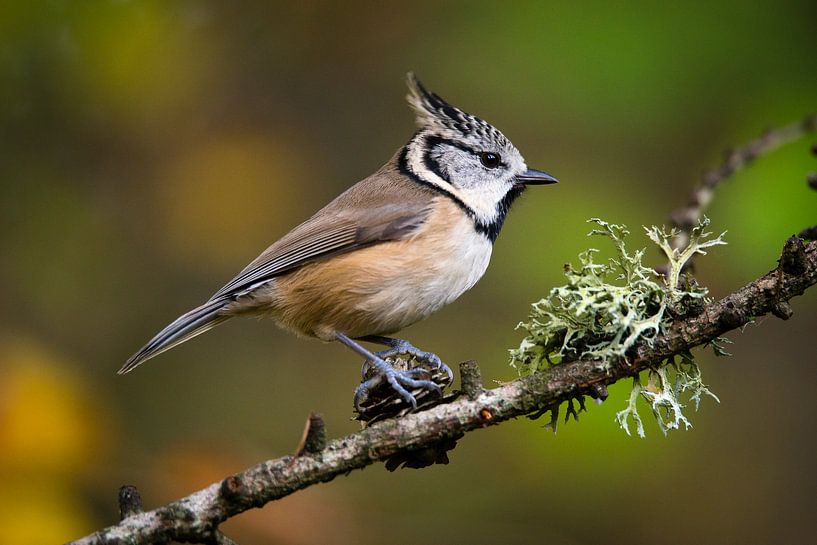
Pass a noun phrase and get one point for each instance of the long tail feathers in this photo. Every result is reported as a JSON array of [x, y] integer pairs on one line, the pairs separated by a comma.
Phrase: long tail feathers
[[185, 327]]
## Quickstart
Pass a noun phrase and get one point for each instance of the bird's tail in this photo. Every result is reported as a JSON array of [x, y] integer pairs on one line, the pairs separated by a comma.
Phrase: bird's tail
[[185, 327]]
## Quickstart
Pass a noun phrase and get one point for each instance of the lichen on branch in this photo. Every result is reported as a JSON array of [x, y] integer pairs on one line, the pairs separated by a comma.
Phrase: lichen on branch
[[606, 308]]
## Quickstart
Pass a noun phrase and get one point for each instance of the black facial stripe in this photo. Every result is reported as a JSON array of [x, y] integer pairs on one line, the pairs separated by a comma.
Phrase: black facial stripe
[[434, 166], [403, 167]]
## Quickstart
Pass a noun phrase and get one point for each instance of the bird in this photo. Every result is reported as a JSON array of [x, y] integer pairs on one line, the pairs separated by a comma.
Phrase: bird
[[386, 253]]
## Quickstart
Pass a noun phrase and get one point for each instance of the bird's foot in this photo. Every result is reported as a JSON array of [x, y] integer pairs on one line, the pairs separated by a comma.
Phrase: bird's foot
[[399, 347], [400, 381]]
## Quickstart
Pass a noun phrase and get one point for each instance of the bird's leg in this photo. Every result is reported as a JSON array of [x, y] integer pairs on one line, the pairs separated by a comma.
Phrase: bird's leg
[[399, 347], [398, 380]]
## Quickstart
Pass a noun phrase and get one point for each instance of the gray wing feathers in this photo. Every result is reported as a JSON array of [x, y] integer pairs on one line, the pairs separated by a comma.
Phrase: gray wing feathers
[[288, 254], [382, 207]]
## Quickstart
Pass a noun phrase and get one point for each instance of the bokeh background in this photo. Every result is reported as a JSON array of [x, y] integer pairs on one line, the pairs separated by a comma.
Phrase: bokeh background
[[148, 150]]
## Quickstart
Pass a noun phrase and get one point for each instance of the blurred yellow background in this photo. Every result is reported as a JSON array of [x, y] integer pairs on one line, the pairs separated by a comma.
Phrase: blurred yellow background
[[149, 150]]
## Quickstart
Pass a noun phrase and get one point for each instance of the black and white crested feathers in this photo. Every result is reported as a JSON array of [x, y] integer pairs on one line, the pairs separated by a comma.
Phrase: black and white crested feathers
[[437, 115]]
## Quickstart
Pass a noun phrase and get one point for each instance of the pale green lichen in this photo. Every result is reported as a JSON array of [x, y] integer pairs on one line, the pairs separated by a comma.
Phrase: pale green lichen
[[662, 392], [605, 308]]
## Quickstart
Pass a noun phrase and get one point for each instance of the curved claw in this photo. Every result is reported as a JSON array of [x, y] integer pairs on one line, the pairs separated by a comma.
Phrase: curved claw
[[364, 369], [398, 380], [405, 348], [447, 370]]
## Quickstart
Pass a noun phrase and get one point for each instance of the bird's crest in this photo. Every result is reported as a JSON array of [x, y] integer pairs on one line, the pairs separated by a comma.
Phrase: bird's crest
[[437, 115]]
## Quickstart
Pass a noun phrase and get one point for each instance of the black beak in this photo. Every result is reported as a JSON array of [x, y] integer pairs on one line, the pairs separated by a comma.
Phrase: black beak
[[535, 177]]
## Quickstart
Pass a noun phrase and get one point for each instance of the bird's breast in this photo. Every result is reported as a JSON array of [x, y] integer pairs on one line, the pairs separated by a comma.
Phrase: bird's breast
[[434, 268]]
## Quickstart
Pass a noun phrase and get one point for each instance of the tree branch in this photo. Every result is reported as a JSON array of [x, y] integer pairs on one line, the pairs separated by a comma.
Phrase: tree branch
[[196, 518]]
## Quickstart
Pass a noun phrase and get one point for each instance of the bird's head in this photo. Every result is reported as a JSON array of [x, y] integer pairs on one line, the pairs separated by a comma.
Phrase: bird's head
[[467, 158]]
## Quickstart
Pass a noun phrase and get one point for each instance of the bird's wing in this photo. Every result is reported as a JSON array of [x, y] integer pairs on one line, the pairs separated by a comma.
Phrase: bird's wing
[[340, 227], [329, 232]]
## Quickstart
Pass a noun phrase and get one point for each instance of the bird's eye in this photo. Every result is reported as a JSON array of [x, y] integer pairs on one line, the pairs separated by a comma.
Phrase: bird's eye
[[489, 159]]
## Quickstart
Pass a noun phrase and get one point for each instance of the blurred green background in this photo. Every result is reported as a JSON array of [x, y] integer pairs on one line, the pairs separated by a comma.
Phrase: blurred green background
[[149, 150]]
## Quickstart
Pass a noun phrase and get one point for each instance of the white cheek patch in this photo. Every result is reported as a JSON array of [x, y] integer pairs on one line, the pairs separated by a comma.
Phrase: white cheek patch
[[484, 200]]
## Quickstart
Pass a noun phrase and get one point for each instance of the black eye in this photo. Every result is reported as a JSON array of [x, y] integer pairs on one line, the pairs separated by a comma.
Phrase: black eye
[[489, 159]]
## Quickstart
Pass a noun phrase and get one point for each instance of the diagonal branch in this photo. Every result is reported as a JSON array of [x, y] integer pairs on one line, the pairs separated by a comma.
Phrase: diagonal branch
[[422, 438], [687, 216], [196, 517]]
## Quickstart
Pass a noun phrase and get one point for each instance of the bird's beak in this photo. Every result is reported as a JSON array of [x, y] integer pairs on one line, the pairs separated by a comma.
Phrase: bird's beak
[[535, 177]]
